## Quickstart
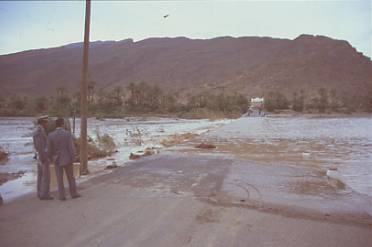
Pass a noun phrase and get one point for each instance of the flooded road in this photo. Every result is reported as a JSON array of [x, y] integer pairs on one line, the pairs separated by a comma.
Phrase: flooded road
[[304, 168], [341, 147], [130, 135], [338, 147]]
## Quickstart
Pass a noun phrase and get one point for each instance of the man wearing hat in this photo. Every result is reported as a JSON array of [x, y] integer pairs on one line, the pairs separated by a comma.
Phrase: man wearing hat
[[43, 173]]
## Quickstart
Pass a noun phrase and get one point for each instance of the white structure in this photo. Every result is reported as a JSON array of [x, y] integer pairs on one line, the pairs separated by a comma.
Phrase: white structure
[[256, 108], [257, 103]]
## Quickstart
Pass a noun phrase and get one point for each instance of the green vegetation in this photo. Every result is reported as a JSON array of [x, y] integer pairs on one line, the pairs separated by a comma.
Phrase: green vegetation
[[276, 101], [321, 101], [106, 142], [142, 99], [102, 147], [207, 105], [136, 99], [298, 102]]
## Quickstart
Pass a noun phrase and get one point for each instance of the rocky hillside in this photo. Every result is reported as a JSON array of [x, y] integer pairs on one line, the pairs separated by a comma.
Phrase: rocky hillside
[[252, 65]]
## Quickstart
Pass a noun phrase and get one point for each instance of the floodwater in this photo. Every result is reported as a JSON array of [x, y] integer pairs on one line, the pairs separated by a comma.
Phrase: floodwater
[[130, 135], [342, 147]]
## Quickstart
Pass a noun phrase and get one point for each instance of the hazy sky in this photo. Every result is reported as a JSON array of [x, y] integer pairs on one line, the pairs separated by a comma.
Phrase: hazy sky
[[30, 25]]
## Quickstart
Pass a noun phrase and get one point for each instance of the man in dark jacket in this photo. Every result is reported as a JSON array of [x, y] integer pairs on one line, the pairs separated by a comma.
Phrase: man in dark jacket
[[43, 172], [61, 150]]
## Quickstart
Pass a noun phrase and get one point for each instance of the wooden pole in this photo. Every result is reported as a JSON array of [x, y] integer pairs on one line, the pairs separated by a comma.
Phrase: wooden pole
[[83, 95], [73, 122]]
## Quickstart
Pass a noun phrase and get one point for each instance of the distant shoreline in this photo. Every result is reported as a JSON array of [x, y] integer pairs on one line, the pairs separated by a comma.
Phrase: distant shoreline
[[268, 114], [319, 115]]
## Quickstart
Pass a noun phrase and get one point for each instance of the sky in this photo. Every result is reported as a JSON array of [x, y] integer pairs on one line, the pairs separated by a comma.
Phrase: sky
[[32, 24]]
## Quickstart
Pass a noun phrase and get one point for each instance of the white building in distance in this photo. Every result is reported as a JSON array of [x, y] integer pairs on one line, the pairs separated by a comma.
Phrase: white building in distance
[[257, 103]]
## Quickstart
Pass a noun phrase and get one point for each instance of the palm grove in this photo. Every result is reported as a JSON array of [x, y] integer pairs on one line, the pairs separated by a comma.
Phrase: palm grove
[[144, 99]]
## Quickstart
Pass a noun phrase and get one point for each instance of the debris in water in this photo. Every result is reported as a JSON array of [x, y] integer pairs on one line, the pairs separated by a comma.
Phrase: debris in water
[[205, 146], [150, 151], [147, 152], [3, 155], [176, 139], [333, 168], [112, 166], [133, 156], [5, 177]]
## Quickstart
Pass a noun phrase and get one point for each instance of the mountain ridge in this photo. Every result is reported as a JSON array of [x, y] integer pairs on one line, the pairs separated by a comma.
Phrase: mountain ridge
[[249, 65]]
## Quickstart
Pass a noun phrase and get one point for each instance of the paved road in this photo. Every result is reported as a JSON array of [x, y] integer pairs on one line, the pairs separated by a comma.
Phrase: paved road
[[170, 200]]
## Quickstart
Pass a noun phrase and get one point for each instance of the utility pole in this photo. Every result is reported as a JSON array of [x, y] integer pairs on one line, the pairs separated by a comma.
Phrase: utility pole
[[83, 95]]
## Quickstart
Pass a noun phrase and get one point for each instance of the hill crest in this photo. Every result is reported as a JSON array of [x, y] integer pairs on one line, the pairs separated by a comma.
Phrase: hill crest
[[249, 65]]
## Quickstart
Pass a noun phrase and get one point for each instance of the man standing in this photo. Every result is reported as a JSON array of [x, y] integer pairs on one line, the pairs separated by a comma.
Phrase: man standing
[[43, 172], [61, 149]]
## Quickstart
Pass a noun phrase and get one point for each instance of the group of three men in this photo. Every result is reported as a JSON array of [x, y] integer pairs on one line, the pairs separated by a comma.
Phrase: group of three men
[[58, 148]]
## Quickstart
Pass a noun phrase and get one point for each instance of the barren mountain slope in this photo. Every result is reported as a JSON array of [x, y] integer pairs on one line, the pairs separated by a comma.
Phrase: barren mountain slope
[[252, 65]]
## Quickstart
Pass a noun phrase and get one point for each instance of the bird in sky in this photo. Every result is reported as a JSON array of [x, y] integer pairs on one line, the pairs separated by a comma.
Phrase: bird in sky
[[166, 16]]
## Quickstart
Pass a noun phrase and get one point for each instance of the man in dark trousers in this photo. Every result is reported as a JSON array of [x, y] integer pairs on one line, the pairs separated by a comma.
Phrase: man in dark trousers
[[61, 149], [43, 173]]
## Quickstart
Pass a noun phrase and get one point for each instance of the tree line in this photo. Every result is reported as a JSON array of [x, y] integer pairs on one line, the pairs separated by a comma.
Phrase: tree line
[[144, 99], [135, 99], [322, 101]]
